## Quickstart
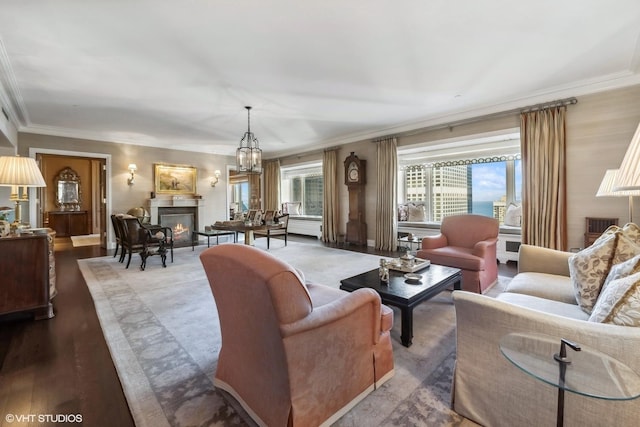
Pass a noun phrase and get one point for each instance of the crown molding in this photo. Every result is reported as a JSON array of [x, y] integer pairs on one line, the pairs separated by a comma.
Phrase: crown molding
[[9, 91], [107, 137], [575, 89]]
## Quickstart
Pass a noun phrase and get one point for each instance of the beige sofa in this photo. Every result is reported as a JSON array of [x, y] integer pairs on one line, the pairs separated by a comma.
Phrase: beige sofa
[[491, 391]]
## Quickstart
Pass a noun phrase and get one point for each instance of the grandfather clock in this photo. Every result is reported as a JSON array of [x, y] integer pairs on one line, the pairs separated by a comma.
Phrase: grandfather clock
[[355, 180]]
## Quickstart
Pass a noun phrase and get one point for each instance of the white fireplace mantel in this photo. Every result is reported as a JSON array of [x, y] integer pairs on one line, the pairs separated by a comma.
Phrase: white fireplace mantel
[[177, 201]]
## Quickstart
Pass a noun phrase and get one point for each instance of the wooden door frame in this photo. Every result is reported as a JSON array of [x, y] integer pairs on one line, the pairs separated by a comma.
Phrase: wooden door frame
[[33, 213]]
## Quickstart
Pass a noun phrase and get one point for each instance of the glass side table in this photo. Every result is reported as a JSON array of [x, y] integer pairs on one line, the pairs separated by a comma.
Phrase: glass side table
[[571, 367]]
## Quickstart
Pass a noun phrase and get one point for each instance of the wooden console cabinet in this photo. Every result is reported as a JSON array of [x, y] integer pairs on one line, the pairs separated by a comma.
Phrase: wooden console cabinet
[[27, 284], [69, 223]]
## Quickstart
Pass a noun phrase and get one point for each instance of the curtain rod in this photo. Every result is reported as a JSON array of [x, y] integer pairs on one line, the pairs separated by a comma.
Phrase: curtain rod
[[536, 107]]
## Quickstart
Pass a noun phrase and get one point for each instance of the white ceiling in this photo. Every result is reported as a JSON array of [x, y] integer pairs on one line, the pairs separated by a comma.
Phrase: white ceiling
[[318, 73]]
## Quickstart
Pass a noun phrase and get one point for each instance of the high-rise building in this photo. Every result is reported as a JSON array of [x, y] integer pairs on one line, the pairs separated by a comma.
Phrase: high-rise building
[[499, 208], [451, 189]]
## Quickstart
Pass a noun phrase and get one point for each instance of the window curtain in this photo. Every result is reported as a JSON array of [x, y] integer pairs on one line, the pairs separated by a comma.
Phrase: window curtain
[[544, 198], [330, 196], [272, 185], [386, 218]]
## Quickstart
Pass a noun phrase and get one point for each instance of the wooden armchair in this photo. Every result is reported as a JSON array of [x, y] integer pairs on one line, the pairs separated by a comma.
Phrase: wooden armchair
[[117, 230], [138, 239], [282, 231]]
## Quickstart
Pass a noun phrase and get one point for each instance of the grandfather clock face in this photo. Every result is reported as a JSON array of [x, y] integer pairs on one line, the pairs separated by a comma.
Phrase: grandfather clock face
[[354, 173]]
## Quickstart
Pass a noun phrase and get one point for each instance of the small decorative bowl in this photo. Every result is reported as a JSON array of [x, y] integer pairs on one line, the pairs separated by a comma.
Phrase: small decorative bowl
[[413, 277]]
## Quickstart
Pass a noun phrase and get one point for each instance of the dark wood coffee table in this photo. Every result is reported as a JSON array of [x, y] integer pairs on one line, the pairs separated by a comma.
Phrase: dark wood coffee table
[[406, 295]]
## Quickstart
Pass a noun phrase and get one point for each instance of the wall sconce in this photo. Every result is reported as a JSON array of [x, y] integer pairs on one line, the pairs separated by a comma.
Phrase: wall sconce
[[132, 170], [214, 180]]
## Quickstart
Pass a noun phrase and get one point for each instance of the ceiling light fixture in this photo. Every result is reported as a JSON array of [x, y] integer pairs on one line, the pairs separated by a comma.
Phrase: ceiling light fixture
[[249, 154]]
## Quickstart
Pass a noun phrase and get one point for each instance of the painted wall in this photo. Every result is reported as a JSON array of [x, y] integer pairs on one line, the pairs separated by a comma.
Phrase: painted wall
[[599, 129], [125, 197]]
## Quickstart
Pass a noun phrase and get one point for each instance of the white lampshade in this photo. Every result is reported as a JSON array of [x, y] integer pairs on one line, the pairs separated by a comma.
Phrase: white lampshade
[[608, 183], [607, 189], [628, 177], [20, 171]]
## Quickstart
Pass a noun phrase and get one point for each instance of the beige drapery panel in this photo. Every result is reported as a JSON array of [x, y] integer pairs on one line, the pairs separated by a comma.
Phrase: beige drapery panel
[[272, 185], [386, 218], [544, 198], [330, 196]]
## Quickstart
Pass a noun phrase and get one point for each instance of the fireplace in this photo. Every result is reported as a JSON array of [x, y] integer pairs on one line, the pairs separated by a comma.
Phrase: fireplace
[[182, 221]]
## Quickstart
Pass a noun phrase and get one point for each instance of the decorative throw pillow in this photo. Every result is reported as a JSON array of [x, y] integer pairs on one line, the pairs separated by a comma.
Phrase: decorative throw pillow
[[416, 213], [589, 268], [623, 269], [513, 215], [632, 231], [403, 212], [292, 208], [626, 248], [612, 229], [619, 302]]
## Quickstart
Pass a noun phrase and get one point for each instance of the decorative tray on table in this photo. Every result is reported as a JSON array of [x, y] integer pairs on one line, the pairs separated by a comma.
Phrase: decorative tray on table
[[417, 265]]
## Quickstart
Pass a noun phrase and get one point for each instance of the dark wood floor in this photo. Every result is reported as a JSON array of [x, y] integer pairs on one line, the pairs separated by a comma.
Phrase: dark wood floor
[[62, 366]]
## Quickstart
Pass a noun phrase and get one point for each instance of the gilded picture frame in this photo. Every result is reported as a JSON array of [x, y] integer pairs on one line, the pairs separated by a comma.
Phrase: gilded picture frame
[[175, 179]]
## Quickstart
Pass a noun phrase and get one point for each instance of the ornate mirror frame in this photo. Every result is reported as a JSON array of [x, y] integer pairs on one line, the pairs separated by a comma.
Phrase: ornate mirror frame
[[68, 190]]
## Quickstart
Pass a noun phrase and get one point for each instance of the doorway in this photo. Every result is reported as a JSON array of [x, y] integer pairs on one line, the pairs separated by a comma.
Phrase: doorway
[[89, 217]]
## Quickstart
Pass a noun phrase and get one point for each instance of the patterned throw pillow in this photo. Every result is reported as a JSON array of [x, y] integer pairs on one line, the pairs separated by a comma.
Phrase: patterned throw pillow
[[632, 231], [403, 212], [589, 269], [623, 269], [626, 247], [619, 302], [612, 229]]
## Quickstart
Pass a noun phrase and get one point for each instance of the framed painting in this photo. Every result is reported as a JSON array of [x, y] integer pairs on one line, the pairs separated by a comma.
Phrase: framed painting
[[174, 179]]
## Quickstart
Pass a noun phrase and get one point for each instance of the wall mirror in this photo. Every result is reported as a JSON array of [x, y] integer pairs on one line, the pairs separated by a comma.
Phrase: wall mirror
[[68, 190]]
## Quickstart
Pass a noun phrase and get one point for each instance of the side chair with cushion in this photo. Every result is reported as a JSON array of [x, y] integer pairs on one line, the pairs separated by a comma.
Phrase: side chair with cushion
[[294, 354], [467, 242], [282, 231], [117, 232], [138, 239]]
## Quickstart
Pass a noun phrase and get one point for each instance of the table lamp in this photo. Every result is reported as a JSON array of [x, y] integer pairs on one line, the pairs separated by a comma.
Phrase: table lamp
[[607, 186], [16, 172]]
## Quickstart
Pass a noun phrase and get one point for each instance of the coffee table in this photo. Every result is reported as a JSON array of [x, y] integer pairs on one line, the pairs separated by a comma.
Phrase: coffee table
[[405, 294], [212, 233]]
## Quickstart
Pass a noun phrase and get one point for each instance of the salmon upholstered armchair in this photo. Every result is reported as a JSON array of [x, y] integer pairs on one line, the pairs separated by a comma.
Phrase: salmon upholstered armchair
[[294, 354], [467, 242]]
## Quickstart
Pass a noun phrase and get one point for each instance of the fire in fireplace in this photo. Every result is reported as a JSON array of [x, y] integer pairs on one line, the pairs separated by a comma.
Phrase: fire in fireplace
[[181, 223]]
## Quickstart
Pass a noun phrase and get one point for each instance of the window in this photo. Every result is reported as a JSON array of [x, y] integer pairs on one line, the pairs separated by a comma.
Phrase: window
[[240, 195], [481, 177], [303, 184]]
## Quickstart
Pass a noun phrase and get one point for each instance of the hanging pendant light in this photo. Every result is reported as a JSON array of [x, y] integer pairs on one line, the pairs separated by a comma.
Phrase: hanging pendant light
[[249, 154]]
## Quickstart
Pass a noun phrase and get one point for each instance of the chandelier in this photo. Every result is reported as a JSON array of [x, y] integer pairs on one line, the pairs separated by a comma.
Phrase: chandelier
[[249, 154]]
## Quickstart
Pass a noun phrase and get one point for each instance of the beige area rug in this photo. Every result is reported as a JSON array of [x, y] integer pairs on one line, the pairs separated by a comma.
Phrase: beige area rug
[[162, 329], [86, 240]]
